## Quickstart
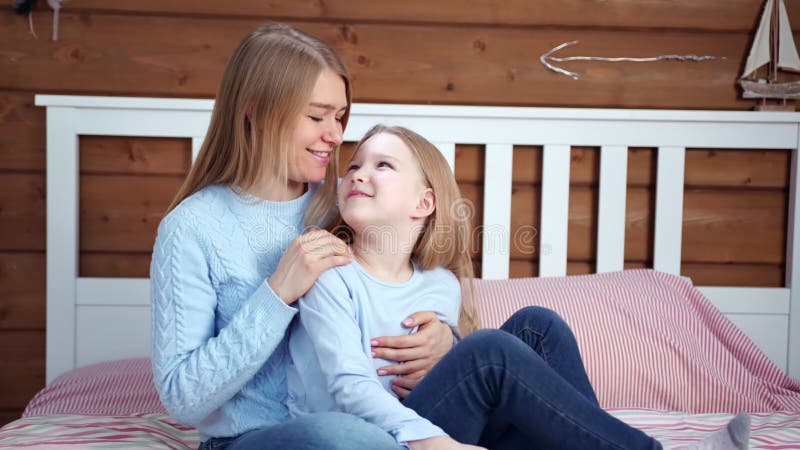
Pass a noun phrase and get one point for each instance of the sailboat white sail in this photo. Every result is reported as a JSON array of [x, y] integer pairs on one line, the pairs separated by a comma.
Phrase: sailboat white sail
[[761, 54], [787, 52]]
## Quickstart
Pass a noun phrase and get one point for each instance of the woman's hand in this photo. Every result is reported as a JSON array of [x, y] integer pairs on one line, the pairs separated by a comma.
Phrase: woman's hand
[[441, 443], [416, 353], [307, 257]]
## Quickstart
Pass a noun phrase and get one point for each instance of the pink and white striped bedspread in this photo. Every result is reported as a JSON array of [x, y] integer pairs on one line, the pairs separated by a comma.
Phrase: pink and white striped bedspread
[[145, 431], [157, 431], [651, 340], [774, 431]]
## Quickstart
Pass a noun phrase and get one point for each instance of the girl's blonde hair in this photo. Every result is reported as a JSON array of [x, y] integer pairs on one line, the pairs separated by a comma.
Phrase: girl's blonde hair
[[265, 88], [445, 240]]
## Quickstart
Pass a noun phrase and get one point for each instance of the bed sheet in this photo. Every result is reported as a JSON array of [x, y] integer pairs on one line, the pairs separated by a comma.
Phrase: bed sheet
[[74, 431], [775, 430], [158, 431]]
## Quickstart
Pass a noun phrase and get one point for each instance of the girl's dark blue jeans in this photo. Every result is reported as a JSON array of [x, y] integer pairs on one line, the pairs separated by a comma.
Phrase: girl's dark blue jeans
[[521, 387]]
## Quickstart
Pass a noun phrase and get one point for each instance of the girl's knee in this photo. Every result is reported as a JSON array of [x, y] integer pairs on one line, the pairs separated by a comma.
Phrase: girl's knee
[[536, 318], [486, 340]]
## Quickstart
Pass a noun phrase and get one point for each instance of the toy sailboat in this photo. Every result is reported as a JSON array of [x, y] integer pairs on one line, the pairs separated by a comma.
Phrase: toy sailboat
[[773, 45]]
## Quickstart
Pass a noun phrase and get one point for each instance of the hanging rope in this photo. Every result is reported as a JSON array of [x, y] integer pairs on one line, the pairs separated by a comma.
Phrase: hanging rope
[[547, 57]]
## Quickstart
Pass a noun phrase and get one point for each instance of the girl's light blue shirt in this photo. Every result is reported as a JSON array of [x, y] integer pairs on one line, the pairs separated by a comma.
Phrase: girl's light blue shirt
[[333, 369]]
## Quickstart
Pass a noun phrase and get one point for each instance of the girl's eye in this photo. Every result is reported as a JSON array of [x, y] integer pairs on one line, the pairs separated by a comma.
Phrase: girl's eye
[[352, 167], [384, 164]]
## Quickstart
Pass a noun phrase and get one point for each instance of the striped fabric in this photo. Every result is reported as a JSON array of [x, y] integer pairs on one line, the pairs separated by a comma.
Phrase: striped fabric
[[111, 388], [675, 430], [157, 431], [651, 340], [151, 431]]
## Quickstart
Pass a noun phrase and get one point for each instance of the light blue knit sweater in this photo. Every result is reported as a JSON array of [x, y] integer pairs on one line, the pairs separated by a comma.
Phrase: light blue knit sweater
[[219, 331]]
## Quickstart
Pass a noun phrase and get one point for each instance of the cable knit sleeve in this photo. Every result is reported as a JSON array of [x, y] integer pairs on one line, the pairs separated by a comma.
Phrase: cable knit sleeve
[[196, 371]]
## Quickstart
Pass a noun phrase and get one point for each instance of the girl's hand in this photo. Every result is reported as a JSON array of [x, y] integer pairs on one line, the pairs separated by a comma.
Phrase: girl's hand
[[417, 352], [306, 258], [441, 443]]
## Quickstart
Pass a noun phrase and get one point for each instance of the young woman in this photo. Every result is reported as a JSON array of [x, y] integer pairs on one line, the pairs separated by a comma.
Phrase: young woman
[[233, 253], [398, 201]]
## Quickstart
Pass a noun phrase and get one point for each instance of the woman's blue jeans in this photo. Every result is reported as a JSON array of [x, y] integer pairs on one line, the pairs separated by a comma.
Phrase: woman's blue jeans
[[523, 386], [321, 431]]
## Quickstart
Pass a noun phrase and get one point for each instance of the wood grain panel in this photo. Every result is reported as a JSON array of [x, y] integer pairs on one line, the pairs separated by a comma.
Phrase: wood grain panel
[[22, 211], [640, 204], [22, 353], [500, 66], [472, 65], [135, 155], [738, 168], [115, 265], [469, 163], [681, 14], [734, 227], [22, 132], [706, 274], [22, 288], [121, 213]]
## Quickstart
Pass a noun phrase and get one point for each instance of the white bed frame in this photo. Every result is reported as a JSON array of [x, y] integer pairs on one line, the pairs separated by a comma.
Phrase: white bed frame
[[97, 319]]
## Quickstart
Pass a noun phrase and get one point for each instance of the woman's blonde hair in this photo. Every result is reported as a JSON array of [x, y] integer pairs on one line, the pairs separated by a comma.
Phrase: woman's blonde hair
[[445, 240], [265, 88]]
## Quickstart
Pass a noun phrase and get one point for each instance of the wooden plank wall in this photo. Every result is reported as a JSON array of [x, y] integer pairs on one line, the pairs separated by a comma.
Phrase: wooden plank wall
[[415, 51]]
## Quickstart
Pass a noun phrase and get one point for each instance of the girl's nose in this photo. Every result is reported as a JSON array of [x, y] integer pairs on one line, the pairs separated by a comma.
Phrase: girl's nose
[[360, 175]]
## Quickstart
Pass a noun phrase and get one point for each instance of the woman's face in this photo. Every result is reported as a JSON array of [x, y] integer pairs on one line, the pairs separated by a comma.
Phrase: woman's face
[[318, 131]]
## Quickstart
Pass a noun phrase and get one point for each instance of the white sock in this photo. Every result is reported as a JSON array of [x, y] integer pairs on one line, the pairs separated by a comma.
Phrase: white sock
[[734, 436]]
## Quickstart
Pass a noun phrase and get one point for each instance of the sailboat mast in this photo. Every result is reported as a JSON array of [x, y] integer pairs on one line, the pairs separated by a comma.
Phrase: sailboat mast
[[773, 74]]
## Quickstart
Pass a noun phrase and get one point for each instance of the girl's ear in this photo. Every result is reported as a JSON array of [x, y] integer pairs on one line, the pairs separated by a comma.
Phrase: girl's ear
[[426, 205]]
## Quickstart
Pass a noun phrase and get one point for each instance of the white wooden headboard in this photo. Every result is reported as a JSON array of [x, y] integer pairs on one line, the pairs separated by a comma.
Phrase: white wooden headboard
[[96, 319]]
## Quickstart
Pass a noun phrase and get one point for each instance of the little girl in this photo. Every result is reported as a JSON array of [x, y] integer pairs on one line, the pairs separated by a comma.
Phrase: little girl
[[399, 204]]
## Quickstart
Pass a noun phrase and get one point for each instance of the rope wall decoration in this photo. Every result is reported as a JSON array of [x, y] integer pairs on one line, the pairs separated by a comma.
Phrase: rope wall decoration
[[548, 57]]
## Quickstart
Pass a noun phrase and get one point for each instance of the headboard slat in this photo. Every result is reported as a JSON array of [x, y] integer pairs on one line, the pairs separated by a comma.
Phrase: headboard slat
[[62, 238], [555, 211], [611, 208], [793, 267], [448, 150], [669, 210], [499, 159]]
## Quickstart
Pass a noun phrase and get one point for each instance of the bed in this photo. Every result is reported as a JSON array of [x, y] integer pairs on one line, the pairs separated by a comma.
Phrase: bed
[[672, 358]]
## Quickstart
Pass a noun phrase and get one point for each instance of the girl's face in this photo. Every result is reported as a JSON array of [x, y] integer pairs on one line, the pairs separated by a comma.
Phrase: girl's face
[[383, 184], [318, 131]]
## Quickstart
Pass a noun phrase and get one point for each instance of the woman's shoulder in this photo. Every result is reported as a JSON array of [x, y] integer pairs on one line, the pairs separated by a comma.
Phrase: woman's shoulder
[[205, 205]]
